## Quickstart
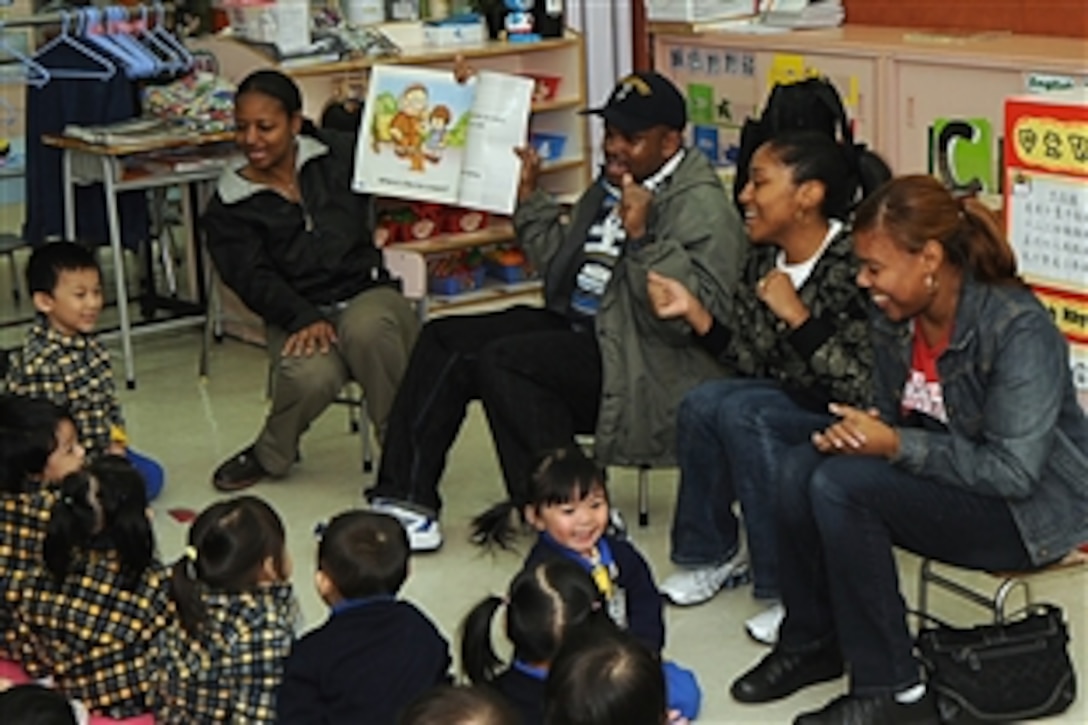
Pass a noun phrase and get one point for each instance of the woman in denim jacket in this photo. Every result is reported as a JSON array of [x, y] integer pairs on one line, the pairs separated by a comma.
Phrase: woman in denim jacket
[[976, 456]]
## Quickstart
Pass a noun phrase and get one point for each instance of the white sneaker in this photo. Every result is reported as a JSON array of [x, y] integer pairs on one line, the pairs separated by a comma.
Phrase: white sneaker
[[423, 531], [764, 626], [695, 586]]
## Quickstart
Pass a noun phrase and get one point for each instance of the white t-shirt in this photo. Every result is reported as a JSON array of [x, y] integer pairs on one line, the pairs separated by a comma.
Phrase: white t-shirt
[[801, 271]]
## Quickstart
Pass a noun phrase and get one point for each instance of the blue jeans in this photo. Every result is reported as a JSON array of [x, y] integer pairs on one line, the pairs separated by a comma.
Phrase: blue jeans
[[838, 519], [731, 435]]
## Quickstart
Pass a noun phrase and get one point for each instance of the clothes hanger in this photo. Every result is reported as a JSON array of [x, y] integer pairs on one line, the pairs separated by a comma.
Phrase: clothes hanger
[[106, 69], [92, 30], [162, 33], [33, 74], [171, 60], [118, 30]]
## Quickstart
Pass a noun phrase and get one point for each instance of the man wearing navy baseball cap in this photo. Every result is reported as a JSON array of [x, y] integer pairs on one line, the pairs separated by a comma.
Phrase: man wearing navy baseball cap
[[595, 358], [644, 100]]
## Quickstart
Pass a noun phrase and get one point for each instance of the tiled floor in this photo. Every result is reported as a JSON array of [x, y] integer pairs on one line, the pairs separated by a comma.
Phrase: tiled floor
[[191, 424]]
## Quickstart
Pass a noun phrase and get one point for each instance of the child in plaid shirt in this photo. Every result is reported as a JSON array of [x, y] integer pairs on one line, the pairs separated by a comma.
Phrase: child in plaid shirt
[[86, 616], [63, 361], [222, 661], [38, 447]]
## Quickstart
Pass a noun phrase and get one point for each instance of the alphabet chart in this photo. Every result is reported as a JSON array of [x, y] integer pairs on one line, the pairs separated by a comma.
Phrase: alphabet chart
[[1046, 203]]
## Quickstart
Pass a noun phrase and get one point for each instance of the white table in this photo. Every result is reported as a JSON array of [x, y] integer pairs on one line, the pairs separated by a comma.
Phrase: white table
[[86, 163]]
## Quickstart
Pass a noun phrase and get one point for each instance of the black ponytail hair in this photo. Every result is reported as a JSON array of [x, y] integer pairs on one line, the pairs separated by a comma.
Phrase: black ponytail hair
[[228, 545], [28, 436], [104, 505], [545, 601], [849, 172], [559, 476]]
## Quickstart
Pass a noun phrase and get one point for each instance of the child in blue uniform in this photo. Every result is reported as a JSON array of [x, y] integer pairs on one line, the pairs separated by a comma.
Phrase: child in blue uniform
[[542, 604], [547, 602], [376, 653], [568, 506]]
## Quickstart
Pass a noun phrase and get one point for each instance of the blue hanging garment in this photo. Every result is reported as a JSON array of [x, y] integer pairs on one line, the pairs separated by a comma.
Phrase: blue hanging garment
[[49, 109]]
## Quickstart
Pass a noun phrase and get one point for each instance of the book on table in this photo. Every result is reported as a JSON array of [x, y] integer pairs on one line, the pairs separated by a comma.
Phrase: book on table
[[424, 136]]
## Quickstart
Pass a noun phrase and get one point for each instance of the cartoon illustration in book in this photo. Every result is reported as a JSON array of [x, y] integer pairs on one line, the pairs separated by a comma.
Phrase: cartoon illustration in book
[[407, 128], [437, 127], [416, 124]]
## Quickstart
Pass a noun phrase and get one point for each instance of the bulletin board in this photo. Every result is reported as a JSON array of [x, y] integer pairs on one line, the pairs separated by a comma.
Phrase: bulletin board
[[1046, 206], [725, 85]]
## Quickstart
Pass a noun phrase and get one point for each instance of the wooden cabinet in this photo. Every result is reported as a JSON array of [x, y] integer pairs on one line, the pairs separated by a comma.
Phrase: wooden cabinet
[[566, 176], [967, 80], [726, 78], [897, 82]]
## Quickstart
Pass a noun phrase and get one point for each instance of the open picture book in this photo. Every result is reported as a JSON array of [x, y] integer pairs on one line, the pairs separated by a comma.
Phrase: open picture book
[[425, 136]]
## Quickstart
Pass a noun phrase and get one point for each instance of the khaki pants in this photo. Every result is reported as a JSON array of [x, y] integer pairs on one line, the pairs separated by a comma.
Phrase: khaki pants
[[376, 332]]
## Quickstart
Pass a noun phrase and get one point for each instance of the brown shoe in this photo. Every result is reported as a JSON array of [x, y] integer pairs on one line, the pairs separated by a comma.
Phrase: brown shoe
[[238, 472]]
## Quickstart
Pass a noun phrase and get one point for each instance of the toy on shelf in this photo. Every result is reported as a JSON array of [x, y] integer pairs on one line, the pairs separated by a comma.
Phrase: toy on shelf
[[452, 274], [509, 264], [545, 87], [519, 22], [549, 146], [457, 220]]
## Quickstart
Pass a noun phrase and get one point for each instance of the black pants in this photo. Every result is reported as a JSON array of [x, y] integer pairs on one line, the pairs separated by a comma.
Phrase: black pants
[[538, 379]]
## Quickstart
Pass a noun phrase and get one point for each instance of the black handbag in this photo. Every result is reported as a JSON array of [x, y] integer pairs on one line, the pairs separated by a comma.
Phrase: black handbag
[[1012, 670]]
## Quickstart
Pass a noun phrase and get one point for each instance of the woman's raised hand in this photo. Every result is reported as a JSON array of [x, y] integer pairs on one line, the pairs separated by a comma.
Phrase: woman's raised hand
[[670, 299], [776, 291]]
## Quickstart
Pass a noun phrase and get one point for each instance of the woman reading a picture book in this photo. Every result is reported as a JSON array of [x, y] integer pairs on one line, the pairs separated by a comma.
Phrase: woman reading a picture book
[[594, 359], [291, 238]]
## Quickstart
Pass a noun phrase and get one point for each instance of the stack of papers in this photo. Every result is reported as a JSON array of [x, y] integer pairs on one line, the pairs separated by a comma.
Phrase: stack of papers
[[141, 130], [802, 13]]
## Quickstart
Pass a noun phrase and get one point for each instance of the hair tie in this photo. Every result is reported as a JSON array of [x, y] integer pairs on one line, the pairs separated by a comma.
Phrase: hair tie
[[190, 553], [962, 207]]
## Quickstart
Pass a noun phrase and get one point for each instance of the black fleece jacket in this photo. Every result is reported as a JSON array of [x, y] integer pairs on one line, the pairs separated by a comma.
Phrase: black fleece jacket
[[286, 259]]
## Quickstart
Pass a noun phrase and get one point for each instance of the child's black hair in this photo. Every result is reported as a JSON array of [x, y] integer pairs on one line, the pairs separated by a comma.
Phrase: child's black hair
[[605, 677], [459, 705], [28, 436], [47, 261], [544, 602], [32, 704], [364, 554], [104, 505], [559, 476], [228, 545]]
